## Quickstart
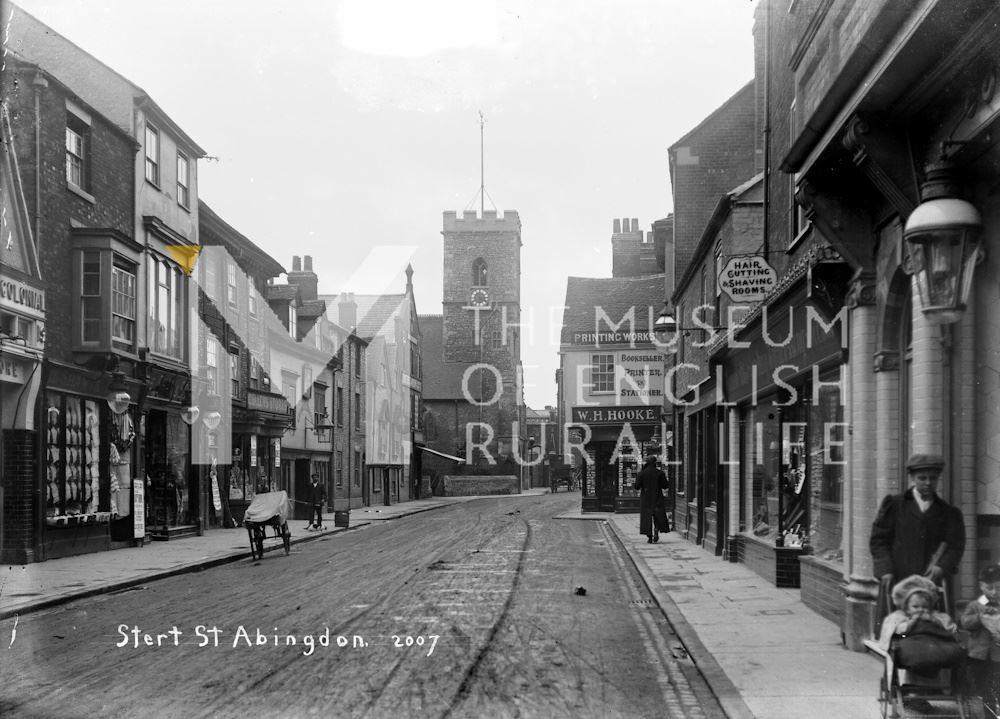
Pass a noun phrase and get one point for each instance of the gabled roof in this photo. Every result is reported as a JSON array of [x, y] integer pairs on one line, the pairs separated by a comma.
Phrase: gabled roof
[[710, 118], [112, 94], [587, 297], [254, 261], [375, 311], [441, 380]]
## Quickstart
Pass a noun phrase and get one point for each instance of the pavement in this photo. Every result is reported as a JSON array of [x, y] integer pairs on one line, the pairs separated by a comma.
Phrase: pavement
[[762, 651]]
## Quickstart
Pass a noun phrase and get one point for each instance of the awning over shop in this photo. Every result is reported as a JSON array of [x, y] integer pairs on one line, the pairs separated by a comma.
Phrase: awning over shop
[[440, 454]]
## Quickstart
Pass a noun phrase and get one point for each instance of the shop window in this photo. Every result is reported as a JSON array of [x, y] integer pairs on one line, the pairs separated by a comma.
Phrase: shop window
[[761, 430], [827, 466], [602, 373], [81, 482]]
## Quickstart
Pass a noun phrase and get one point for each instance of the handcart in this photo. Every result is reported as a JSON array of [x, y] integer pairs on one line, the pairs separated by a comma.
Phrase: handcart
[[269, 509]]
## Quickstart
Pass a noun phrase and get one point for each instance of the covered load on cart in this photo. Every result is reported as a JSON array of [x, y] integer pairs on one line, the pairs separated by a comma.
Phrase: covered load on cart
[[269, 509]]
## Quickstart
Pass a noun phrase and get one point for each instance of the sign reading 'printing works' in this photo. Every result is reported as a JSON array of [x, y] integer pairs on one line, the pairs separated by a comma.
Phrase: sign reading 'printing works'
[[747, 278]]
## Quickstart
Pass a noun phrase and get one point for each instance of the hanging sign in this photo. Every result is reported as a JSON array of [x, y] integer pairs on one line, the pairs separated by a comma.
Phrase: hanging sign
[[139, 508], [253, 450], [747, 278], [216, 493]]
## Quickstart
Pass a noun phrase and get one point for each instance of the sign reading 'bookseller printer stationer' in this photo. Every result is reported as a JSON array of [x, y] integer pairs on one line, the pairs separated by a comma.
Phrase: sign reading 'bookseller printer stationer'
[[747, 278]]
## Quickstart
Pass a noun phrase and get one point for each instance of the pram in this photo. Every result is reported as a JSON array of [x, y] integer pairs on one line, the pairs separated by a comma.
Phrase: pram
[[924, 674], [269, 509]]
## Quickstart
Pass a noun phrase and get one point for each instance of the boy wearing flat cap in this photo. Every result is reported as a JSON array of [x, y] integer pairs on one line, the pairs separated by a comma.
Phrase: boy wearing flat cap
[[917, 532]]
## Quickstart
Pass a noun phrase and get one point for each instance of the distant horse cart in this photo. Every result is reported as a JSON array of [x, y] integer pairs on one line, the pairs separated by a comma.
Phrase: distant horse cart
[[561, 475]]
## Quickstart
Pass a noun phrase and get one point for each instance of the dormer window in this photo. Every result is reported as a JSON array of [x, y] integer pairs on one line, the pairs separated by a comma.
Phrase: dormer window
[[479, 274]]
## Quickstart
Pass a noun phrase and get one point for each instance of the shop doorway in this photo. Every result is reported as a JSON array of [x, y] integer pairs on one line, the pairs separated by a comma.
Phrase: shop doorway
[[605, 476]]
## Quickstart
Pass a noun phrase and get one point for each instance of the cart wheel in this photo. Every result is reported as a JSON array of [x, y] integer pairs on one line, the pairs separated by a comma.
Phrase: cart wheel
[[286, 538], [259, 541]]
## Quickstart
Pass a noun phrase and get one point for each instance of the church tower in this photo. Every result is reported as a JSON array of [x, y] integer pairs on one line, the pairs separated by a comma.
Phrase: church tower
[[482, 315]]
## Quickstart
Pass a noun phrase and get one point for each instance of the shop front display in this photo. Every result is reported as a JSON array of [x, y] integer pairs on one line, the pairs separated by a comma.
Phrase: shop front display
[[87, 477], [789, 392]]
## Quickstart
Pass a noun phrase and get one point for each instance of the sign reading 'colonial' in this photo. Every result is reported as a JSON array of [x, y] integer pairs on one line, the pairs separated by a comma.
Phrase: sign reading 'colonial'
[[747, 278]]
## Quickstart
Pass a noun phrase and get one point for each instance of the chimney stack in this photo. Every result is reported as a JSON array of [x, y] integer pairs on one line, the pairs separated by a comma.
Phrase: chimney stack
[[305, 280], [347, 311]]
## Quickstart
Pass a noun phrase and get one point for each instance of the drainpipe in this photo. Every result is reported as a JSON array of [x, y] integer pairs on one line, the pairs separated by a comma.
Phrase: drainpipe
[[39, 82]]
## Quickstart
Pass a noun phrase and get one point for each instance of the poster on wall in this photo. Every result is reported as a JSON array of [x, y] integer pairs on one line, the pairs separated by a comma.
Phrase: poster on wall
[[253, 450], [277, 453], [216, 493], [139, 505]]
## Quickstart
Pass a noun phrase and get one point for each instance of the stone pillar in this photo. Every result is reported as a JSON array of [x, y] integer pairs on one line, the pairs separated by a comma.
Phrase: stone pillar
[[733, 473], [927, 393], [861, 498], [964, 488]]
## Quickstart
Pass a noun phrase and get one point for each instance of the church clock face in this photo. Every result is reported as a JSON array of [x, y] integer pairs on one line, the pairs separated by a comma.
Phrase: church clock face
[[479, 297]]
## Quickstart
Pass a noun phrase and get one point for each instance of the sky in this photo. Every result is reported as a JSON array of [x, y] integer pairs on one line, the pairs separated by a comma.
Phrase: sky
[[343, 129]]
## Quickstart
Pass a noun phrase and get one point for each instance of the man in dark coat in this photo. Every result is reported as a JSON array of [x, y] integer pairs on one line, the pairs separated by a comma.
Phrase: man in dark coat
[[651, 481], [917, 532], [317, 498]]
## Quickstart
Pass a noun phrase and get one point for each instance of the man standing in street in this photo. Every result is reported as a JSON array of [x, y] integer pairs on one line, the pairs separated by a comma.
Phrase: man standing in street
[[317, 498], [917, 532]]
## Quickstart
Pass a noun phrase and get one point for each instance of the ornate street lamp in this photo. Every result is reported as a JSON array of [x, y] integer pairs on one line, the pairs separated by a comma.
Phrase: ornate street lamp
[[118, 397], [942, 234], [189, 415], [665, 326]]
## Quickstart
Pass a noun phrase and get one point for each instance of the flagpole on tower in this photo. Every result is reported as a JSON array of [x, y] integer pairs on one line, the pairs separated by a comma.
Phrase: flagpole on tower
[[482, 170]]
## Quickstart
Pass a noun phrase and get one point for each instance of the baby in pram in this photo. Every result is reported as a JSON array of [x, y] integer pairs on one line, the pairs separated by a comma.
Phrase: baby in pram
[[923, 639]]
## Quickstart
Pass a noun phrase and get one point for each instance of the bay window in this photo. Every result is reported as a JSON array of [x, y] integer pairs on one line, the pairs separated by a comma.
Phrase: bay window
[[166, 315], [105, 290]]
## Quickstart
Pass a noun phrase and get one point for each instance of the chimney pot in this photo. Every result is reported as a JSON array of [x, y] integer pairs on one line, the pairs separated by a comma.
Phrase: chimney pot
[[296, 263], [625, 225], [617, 227], [635, 224], [308, 266]]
